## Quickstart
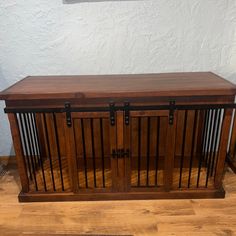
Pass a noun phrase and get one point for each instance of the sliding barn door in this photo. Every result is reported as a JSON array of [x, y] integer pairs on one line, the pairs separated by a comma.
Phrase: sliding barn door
[[91, 139], [150, 139]]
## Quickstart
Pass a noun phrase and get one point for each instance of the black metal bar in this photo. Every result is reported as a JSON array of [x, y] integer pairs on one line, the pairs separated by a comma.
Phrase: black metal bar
[[34, 140], [222, 112], [28, 161], [26, 122], [102, 152], [49, 150], [157, 150], [202, 145], [192, 147], [212, 138], [207, 116], [31, 142], [208, 142], [68, 114], [58, 150], [121, 108], [93, 153], [139, 149], [212, 133], [33, 109], [84, 153], [148, 150], [215, 141], [40, 154], [183, 148]]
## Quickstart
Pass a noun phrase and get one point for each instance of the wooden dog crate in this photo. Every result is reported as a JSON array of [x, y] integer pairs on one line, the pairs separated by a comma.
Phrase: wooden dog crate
[[120, 136]]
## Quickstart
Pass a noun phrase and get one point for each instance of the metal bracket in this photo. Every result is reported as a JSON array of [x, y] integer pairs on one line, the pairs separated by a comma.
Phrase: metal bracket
[[68, 114], [112, 113], [120, 153], [171, 112], [126, 109]]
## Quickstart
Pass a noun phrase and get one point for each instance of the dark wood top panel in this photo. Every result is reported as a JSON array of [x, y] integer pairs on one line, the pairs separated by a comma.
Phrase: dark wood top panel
[[133, 85]]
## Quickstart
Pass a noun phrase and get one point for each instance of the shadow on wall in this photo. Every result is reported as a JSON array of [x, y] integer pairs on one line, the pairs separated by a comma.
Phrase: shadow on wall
[[4, 126], [91, 1]]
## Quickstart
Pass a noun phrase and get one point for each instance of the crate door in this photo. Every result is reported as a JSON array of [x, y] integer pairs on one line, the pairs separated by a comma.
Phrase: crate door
[[90, 141], [151, 144]]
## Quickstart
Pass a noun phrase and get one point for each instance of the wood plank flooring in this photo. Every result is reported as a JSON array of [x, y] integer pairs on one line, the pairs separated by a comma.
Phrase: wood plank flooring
[[152, 217]]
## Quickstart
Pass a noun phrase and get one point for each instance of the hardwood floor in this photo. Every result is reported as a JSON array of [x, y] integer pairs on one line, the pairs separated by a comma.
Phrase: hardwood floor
[[152, 217]]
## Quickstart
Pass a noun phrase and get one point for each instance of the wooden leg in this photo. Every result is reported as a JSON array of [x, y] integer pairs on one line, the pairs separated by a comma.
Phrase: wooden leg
[[19, 152], [223, 147]]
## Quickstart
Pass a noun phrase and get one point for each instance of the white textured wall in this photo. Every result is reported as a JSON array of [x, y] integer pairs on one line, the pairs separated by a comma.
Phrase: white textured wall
[[98, 37]]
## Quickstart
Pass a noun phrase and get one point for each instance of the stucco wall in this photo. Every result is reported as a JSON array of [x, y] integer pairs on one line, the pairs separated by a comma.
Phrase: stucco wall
[[98, 37]]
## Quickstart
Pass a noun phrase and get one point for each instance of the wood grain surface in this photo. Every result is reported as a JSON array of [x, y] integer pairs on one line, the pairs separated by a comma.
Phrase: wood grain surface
[[151, 217], [136, 85]]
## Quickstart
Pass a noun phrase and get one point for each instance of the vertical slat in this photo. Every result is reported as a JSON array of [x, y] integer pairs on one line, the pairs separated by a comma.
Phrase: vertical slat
[[49, 151], [223, 147], [33, 162], [207, 139], [31, 142], [25, 147], [205, 134], [170, 154], [41, 136], [58, 150], [157, 150], [102, 153], [202, 147], [212, 139], [192, 147], [120, 145], [40, 153], [34, 139], [84, 153], [113, 146], [71, 155], [200, 128], [127, 158], [217, 128], [148, 151], [209, 136], [19, 152], [183, 148], [93, 153], [139, 149]]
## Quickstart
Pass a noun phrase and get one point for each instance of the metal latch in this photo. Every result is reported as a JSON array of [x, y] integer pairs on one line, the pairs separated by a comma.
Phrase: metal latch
[[68, 114], [171, 112], [112, 113], [120, 153]]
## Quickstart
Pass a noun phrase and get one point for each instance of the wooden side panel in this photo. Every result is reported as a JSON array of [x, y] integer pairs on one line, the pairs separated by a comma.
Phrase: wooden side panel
[[19, 152]]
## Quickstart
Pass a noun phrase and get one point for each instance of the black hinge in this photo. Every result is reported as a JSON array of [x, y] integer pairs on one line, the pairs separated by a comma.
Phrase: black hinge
[[171, 112], [126, 109], [120, 153], [68, 114], [112, 113]]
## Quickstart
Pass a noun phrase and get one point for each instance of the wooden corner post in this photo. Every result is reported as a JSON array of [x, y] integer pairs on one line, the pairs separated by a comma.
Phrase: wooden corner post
[[226, 123], [19, 151]]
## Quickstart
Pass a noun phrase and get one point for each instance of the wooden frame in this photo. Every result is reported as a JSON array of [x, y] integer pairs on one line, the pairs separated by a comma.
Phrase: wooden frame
[[60, 152]]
